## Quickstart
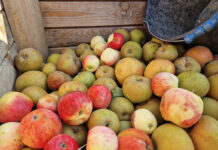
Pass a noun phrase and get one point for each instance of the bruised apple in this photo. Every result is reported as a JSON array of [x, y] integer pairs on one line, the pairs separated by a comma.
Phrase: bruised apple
[[56, 79], [14, 106], [48, 101], [201, 54], [10, 138], [38, 127], [75, 108], [181, 107]]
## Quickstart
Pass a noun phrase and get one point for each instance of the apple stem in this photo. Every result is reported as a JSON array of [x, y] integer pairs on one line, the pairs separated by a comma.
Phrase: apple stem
[[82, 147]]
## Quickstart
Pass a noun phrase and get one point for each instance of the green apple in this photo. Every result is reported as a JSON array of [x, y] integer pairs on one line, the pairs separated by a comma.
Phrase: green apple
[[122, 107], [34, 92], [106, 81], [49, 68], [211, 68], [131, 49], [210, 107], [85, 77], [124, 33], [69, 51], [106, 118], [166, 51], [68, 64], [186, 63], [138, 36], [125, 125], [78, 133], [144, 120], [117, 92], [105, 71], [149, 50], [81, 48], [195, 82], [153, 105], [53, 58], [137, 88]]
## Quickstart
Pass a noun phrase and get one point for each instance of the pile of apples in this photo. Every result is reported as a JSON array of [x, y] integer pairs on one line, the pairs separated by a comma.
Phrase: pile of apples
[[123, 94]]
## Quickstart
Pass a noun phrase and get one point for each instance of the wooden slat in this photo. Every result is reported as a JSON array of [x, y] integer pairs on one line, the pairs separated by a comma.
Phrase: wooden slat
[[82, 14], [58, 49], [6, 37], [75, 36], [26, 24], [1, 6]]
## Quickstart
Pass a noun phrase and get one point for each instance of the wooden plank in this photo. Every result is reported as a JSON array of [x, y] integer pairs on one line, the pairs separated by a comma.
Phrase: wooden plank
[[7, 71], [75, 36], [82, 14], [90, 0], [6, 38], [1, 6], [58, 49], [26, 24]]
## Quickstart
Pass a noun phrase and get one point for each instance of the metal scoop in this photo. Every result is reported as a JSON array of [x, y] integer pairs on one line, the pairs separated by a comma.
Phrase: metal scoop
[[181, 20]]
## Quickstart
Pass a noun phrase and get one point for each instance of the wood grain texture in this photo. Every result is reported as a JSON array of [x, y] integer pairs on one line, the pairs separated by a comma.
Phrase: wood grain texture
[[75, 36], [98, 13], [1, 6], [6, 38], [58, 49], [7, 71], [26, 24]]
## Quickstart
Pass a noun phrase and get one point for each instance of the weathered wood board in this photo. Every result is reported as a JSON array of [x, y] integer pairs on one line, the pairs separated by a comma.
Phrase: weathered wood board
[[86, 14], [6, 38], [75, 36], [1, 6], [27, 25]]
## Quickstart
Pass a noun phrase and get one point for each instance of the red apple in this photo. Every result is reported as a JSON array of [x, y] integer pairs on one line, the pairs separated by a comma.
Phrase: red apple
[[100, 96], [61, 142], [101, 138], [115, 40], [135, 133], [110, 56], [14, 106], [181, 107], [75, 108], [131, 143], [162, 82], [38, 127], [48, 101], [91, 63]]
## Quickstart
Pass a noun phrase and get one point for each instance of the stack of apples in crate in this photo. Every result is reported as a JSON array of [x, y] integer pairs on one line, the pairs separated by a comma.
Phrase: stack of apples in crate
[[120, 94]]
